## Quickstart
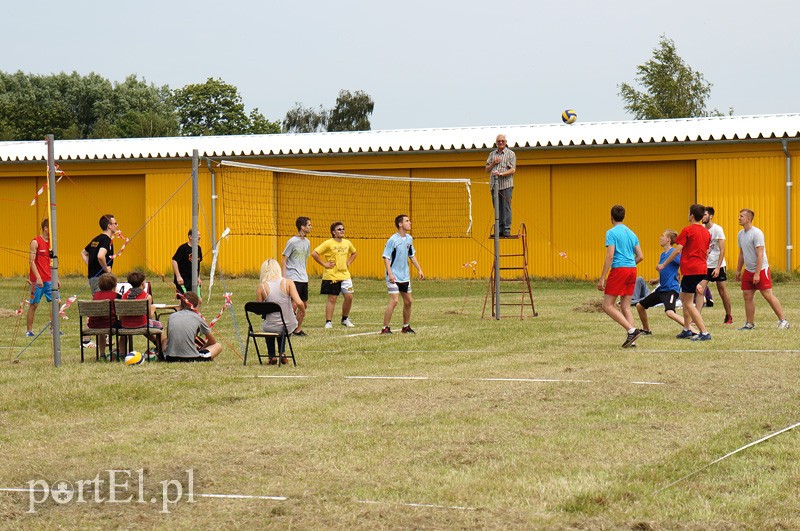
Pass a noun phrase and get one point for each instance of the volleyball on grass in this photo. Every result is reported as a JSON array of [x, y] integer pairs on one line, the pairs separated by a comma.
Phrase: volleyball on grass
[[134, 358], [569, 116]]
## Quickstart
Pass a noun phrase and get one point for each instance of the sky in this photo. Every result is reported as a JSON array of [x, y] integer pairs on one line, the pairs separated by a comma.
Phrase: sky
[[426, 64]]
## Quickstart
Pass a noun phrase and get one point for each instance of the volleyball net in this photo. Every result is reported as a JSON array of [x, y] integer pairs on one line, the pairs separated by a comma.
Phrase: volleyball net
[[266, 200]]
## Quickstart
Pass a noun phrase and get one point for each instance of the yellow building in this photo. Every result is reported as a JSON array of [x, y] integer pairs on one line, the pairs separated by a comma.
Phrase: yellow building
[[567, 179]]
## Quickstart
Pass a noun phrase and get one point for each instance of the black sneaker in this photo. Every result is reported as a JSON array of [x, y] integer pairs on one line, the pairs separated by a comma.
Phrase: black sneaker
[[685, 334], [647, 332], [386, 330], [633, 336], [407, 330], [299, 333]]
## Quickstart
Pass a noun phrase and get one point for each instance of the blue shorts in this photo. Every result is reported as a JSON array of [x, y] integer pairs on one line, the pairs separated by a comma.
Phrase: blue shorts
[[37, 292]]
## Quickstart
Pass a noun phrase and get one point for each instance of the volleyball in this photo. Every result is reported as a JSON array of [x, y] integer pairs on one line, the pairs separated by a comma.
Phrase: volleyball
[[569, 116], [134, 358]]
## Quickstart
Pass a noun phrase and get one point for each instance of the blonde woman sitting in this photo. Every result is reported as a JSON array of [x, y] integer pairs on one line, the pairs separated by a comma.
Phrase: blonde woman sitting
[[272, 287]]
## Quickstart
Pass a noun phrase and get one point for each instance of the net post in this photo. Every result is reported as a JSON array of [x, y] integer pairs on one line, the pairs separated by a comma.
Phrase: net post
[[496, 198], [195, 208], [55, 323]]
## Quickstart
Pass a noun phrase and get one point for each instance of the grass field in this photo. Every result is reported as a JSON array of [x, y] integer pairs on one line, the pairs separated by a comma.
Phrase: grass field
[[539, 423]]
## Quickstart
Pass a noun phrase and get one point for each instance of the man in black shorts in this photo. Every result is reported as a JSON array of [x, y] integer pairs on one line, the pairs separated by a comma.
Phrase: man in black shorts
[[667, 291], [293, 264], [716, 263]]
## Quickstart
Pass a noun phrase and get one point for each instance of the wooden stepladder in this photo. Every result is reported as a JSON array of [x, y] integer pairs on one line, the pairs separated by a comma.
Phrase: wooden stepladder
[[518, 292]]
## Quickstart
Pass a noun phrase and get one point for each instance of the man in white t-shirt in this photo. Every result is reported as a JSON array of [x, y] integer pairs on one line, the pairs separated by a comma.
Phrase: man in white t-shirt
[[753, 256], [293, 266], [716, 264]]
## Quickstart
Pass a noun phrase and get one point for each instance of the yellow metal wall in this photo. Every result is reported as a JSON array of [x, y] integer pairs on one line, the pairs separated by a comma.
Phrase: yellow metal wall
[[656, 196], [81, 200], [757, 183], [562, 196]]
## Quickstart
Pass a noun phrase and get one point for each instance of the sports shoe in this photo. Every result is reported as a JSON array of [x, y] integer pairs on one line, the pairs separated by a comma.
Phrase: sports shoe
[[328, 324], [90, 344], [709, 304], [29, 334], [408, 330], [686, 334], [348, 323], [632, 336], [299, 333], [386, 330], [647, 332], [702, 337], [728, 319], [748, 326], [783, 324]]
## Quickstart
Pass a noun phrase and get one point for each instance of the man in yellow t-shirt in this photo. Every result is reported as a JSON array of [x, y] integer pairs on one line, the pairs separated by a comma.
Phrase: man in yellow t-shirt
[[336, 255]]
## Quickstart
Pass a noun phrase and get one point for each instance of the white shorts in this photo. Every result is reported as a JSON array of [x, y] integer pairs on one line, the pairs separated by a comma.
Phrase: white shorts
[[347, 286], [398, 287]]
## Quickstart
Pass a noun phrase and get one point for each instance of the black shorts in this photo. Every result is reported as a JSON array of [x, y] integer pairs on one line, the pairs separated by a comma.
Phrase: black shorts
[[302, 290], [722, 277], [667, 298], [689, 283], [331, 287], [202, 355]]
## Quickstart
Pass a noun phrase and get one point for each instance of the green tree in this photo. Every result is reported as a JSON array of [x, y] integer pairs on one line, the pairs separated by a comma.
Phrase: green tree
[[351, 112], [300, 119], [259, 125], [139, 110], [210, 108], [72, 106], [216, 108], [671, 89]]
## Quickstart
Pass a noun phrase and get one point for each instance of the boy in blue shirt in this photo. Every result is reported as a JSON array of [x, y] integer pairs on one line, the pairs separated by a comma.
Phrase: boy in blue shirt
[[398, 251], [623, 252], [667, 291]]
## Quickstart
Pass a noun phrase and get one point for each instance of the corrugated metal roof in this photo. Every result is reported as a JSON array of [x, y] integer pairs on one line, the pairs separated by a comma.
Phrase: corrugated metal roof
[[638, 132]]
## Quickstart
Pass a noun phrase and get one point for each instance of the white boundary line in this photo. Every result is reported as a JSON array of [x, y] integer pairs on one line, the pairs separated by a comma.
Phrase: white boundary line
[[242, 497], [387, 378], [423, 505], [226, 496], [434, 378]]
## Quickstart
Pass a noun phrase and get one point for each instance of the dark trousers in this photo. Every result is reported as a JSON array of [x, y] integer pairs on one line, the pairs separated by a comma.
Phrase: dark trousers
[[504, 213]]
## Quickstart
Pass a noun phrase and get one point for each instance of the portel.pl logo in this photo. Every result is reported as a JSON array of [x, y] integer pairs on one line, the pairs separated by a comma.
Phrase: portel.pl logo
[[113, 486]]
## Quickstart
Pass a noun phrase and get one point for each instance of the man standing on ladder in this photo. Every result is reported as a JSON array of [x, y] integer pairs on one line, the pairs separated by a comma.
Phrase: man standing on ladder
[[501, 165]]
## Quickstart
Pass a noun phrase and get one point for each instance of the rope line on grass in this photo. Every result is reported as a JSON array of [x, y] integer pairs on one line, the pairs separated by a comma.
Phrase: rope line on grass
[[714, 462]]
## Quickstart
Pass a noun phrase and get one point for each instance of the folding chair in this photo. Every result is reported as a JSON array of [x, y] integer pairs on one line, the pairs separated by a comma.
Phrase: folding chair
[[100, 308], [261, 309], [137, 308]]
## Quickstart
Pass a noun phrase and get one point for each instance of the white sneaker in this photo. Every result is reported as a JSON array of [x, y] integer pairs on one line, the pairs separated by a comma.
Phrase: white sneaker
[[783, 324], [328, 325], [348, 323]]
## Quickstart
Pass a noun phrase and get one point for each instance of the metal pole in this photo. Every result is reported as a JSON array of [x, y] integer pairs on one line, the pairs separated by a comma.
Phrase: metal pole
[[195, 207], [213, 237], [496, 197], [55, 322], [789, 183]]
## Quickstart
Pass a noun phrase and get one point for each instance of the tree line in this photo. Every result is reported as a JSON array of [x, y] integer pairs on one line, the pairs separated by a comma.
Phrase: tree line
[[73, 106]]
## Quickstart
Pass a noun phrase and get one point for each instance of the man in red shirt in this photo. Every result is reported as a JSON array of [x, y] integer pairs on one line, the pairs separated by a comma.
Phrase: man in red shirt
[[692, 244], [40, 276]]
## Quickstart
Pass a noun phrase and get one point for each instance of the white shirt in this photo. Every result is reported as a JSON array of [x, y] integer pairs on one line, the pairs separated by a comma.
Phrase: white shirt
[[717, 234]]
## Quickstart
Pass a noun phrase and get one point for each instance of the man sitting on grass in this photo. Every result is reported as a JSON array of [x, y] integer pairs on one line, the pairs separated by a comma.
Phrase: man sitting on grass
[[182, 328]]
